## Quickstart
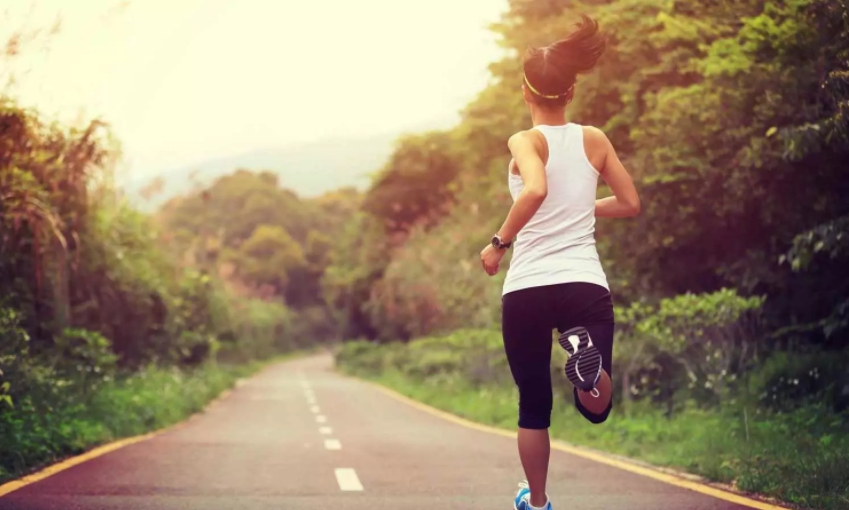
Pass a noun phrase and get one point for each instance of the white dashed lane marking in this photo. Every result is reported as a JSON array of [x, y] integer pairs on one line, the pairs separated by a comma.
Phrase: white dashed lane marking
[[346, 477], [348, 480]]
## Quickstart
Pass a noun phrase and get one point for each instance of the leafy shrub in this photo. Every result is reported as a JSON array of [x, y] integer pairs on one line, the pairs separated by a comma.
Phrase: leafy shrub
[[361, 357], [709, 339], [473, 355], [790, 380], [83, 358], [256, 330], [13, 353]]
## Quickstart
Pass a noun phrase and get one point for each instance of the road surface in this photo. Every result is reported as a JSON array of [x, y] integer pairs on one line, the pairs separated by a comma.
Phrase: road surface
[[299, 436]]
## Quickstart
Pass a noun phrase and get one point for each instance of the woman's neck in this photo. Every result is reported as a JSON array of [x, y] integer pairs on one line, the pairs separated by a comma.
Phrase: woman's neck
[[541, 116]]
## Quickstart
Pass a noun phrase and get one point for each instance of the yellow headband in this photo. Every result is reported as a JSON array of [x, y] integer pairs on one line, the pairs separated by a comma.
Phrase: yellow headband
[[535, 91]]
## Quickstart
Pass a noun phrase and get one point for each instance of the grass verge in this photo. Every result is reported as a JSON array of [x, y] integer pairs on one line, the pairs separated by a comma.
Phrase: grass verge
[[785, 458]]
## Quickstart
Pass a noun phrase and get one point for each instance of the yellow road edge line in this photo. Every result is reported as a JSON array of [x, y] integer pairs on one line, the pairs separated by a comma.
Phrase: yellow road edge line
[[20, 483], [101, 450], [580, 452]]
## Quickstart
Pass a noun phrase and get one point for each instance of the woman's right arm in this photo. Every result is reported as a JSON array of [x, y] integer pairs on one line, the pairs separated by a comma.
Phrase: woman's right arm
[[625, 201]]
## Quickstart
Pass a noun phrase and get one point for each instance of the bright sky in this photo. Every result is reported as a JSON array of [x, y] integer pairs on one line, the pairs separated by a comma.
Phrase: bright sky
[[185, 80]]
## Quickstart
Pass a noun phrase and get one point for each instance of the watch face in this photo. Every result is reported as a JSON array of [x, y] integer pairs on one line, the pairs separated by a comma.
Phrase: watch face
[[495, 242]]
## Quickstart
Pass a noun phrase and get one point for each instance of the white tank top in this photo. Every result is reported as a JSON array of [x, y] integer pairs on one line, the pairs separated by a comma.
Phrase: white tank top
[[558, 244]]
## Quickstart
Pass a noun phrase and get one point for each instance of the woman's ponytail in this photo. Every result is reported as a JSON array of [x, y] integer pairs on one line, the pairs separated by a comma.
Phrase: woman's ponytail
[[551, 72]]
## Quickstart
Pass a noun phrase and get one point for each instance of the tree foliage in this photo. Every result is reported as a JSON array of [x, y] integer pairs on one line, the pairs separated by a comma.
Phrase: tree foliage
[[265, 242]]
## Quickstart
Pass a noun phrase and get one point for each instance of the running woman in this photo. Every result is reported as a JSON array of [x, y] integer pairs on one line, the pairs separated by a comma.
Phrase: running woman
[[555, 278]]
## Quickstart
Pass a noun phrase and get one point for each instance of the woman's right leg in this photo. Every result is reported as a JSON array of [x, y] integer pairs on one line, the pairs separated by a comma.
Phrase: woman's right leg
[[590, 307], [527, 331], [602, 335]]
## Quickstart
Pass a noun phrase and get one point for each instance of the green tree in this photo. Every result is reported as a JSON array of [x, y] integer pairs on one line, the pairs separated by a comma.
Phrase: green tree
[[413, 186], [269, 256]]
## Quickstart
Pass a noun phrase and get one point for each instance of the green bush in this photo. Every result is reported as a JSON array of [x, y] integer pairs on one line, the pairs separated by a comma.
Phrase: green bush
[[257, 329], [83, 359], [362, 357], [702, 343], [14, 355], [790, 380]]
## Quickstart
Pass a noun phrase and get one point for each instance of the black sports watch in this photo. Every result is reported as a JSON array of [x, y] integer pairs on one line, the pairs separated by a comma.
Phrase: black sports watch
[[499, 244]]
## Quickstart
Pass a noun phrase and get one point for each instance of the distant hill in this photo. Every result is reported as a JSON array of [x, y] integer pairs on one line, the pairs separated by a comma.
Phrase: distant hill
[[309, 169]]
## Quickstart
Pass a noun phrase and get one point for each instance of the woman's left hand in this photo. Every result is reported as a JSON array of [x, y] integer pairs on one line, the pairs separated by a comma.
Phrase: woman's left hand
[[491, 258]]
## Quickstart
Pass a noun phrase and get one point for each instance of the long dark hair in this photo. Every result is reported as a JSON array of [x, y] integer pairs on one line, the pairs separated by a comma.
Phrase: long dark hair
[[551, 71]]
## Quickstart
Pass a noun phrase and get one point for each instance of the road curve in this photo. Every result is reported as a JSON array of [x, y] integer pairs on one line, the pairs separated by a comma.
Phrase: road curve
[[300, 436]]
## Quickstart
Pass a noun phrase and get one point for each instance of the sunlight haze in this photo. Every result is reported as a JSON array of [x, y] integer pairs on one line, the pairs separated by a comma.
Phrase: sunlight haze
[[182, 81]]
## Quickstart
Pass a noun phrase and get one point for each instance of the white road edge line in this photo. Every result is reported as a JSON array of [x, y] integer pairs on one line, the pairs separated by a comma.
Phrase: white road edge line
[[348, 480], [332, 444], [315, 409], [321, 418], [325, 430]]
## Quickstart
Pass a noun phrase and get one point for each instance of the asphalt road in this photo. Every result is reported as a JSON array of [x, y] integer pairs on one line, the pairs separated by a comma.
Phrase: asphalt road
[[299, 436]]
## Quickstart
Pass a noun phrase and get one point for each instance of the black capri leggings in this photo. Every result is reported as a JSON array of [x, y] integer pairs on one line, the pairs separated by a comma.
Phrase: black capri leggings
[[528, 318]]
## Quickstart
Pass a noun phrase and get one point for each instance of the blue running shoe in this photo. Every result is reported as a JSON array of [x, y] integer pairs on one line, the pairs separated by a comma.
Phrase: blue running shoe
[[523, 498]]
